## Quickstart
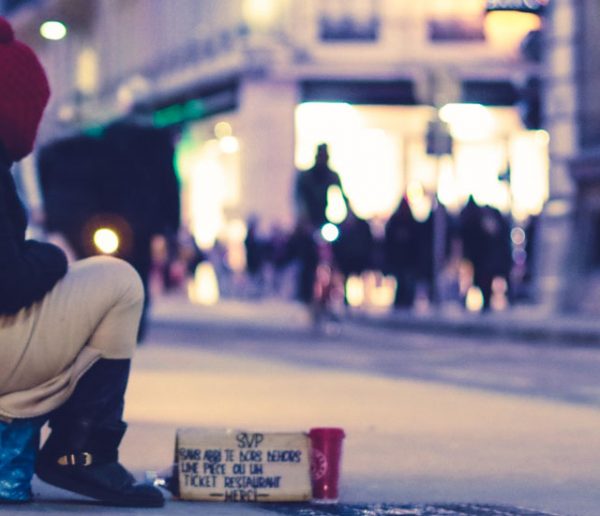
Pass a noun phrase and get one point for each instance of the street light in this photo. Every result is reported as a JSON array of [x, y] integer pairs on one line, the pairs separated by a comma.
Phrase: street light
[[53, 30]]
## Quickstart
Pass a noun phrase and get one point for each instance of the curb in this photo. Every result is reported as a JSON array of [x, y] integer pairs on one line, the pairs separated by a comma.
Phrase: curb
[[566, 333], [530, 328]]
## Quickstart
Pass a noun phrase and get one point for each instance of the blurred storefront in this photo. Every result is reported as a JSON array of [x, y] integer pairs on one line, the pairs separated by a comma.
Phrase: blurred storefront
[[250, 87]]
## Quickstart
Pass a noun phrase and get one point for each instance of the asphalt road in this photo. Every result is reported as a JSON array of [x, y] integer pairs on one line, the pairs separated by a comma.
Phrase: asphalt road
[[555, 370]]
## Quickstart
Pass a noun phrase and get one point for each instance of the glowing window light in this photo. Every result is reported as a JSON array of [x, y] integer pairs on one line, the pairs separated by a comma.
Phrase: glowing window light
[[356, 143], [414, 191], [530, 165], [260, 13], [474, 299], [355, 291], [379, 289], [86, 74], [106, 240], [222, 129], [330, 232], [448, 192], [477, 165], [376, 150], [236, 230], [53, 30], [210, 182], [506, 29], [336, 210], [468, 121], [318, 122], [207, 191], [234, 234], [420, 204], [229, 144], [204, 288]]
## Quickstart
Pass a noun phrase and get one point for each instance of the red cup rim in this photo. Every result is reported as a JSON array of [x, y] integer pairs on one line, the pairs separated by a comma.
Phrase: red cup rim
[[331, 431]]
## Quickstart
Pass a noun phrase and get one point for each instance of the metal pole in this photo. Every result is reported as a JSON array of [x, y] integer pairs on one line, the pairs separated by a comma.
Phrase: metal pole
[[439, 238]]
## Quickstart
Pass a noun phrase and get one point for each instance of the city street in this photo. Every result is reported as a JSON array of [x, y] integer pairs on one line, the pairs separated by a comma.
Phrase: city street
[[374, 222], [428, 419]]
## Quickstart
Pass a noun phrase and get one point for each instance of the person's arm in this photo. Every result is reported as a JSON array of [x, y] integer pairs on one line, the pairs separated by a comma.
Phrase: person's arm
[[28, 269], [27, 272], [300, 201]]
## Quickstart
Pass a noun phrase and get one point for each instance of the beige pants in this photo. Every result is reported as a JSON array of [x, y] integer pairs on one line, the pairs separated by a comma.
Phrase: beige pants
[[92, 313]]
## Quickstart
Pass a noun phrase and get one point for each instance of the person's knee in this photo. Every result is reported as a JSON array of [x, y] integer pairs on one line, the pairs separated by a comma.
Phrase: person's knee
[[121, 273]]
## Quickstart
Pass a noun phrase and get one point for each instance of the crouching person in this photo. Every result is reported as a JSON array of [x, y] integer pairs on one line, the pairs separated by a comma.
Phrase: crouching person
[[67, 333]]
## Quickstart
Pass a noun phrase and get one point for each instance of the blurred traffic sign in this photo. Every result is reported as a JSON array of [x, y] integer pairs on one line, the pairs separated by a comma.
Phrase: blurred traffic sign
[[439, 140]]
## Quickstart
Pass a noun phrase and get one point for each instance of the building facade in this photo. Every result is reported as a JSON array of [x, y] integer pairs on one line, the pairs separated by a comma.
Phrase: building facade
[[570, 268], [252, 86]]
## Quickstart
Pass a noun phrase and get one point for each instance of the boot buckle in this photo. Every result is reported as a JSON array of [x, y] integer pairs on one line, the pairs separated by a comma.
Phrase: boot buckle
[[76, 459]]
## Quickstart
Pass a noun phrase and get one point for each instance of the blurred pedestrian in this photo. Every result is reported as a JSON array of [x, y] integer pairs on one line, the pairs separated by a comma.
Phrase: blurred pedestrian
[[402, 253], [255, 256], [470, 230], [302, 248], [67, 332], [485, 236], [276, 258], [354, 247], [311, 192], [436, 236], [499, 262], [312, 189]]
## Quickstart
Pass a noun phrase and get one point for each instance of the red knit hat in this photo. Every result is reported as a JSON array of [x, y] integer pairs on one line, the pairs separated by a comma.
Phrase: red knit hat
[[24, 93]]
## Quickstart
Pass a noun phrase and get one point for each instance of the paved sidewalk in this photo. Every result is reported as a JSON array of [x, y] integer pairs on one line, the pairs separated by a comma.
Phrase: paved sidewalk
[[529, 323], [523, 322], [408, 440]]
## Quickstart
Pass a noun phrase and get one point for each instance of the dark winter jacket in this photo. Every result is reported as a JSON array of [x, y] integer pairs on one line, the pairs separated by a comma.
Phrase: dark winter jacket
[[310, 193], [28, 269]]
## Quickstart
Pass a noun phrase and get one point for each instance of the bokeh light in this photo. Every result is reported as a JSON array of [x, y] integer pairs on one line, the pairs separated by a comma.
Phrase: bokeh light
[[53, 30]]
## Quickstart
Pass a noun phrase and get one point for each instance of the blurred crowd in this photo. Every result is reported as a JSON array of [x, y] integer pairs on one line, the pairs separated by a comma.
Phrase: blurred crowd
[[478, 258]]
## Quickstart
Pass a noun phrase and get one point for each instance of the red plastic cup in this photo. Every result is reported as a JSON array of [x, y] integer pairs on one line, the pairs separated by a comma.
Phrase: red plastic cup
[[326, 455]]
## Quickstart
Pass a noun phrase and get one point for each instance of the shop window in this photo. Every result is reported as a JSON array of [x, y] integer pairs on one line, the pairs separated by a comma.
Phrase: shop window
[[349, 20], [396, 92], [489, 92], [456, 20]]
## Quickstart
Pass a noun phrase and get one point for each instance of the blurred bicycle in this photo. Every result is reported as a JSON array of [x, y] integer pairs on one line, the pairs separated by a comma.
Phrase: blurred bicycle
[[328, 288]]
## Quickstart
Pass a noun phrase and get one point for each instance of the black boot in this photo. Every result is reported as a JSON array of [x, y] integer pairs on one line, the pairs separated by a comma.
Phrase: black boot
[[84, 459]]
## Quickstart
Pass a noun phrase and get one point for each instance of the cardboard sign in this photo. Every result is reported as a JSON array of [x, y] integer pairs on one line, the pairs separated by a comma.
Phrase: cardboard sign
[[242, 466]]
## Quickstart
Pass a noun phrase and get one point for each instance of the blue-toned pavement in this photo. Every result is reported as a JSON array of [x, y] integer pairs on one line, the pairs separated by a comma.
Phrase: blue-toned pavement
[[76, 506], [403, 510], [149, 442]]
